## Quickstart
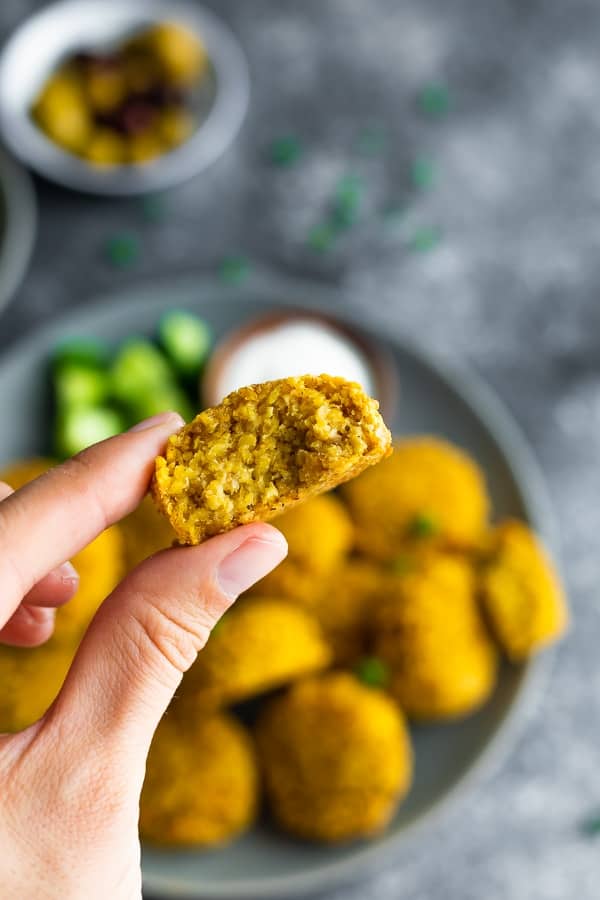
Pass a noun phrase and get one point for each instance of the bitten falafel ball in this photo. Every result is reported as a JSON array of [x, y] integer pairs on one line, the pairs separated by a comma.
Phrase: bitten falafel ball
[[201, 784], [100, 565], [521, 592], [319, 533], [336, 758], [428, 493], [258, 645], [264, 449], [430, 633]]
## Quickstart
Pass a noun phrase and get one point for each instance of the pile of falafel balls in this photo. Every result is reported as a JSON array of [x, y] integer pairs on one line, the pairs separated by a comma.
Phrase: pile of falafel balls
[[395, 604]]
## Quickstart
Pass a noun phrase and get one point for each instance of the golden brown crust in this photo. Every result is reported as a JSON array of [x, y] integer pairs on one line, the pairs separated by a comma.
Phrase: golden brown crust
[[336, 758], [201, 784], [431, 635], [430, 493], [258, 645], [521, 591], [264, 449]]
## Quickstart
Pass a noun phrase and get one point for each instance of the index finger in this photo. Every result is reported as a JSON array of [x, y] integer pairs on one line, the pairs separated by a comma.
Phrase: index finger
[[55, 516]]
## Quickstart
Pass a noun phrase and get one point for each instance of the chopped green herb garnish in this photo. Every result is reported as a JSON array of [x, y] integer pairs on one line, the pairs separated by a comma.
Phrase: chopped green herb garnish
[[234, 269], [434, 99], [321, 237], [423, 526], [590, 827], [372, 140], [123, 250], [285, 151], [372, 671], [422, 173], [347, 201], [425, 239]]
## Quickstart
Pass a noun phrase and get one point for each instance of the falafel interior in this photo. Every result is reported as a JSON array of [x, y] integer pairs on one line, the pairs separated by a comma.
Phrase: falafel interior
[[265, 448]]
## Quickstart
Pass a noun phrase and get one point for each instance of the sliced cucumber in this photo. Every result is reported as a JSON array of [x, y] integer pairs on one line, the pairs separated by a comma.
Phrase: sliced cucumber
[[79, 427], [82, 351], [154, 402], [186, 340], [139, 369], [77, 384]]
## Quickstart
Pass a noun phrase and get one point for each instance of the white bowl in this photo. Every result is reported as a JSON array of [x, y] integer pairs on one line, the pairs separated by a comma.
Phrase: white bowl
[[47, 37]]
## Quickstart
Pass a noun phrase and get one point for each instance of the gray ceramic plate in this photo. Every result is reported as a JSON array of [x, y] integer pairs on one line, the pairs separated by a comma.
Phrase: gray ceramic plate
[[264, 864], [18, 224]]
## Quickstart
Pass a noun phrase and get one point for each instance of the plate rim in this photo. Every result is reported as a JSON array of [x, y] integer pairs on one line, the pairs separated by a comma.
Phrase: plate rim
[[20, 227], [504, 430]]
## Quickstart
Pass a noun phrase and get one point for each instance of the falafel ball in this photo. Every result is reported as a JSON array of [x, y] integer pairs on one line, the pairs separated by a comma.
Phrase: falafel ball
[[428, 493], [430, 633], [201, 784], [20, 472], [521, 592], [145, 532], [319, 533], [336, 758], [345, 607], [264, 449], [30, 679], [100, 565], [258, 645]]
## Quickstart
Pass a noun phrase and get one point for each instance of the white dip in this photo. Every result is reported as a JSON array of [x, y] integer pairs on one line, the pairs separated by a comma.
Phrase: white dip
[[299, 347]]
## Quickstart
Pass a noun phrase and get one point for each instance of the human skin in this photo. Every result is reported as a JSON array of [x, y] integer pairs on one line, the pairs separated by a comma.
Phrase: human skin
[[70, 784]]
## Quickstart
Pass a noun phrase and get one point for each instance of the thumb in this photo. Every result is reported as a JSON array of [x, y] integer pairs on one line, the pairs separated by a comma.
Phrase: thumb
[[148, 633]]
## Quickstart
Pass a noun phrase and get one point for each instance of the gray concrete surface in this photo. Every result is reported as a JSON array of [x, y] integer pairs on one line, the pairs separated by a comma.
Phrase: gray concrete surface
[[512, 288]]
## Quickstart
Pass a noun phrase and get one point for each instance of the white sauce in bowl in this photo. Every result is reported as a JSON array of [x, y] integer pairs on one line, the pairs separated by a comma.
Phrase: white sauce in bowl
[[299, 347]]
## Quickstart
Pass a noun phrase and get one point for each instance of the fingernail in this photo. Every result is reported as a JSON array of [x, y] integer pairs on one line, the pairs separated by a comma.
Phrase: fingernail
[[171, 418], [67, 573], [250, 562]]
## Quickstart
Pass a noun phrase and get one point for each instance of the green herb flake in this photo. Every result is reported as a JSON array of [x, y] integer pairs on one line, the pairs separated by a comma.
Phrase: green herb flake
[[234, 269], [590, 827], [285, 151], [434, 99], [347, 201], [321, 237], [423, 526], [423, 174], [372, 141], [123, 250], [425, 239], [373, 672]]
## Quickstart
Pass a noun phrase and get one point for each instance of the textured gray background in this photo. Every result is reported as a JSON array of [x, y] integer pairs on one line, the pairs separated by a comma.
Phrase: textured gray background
[[512, 288]]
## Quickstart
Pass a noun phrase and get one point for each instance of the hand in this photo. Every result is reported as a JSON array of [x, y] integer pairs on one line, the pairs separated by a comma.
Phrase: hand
[[70, 784]]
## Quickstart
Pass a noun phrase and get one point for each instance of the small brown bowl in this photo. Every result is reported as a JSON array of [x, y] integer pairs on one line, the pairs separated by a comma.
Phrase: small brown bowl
[[375, 355]]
